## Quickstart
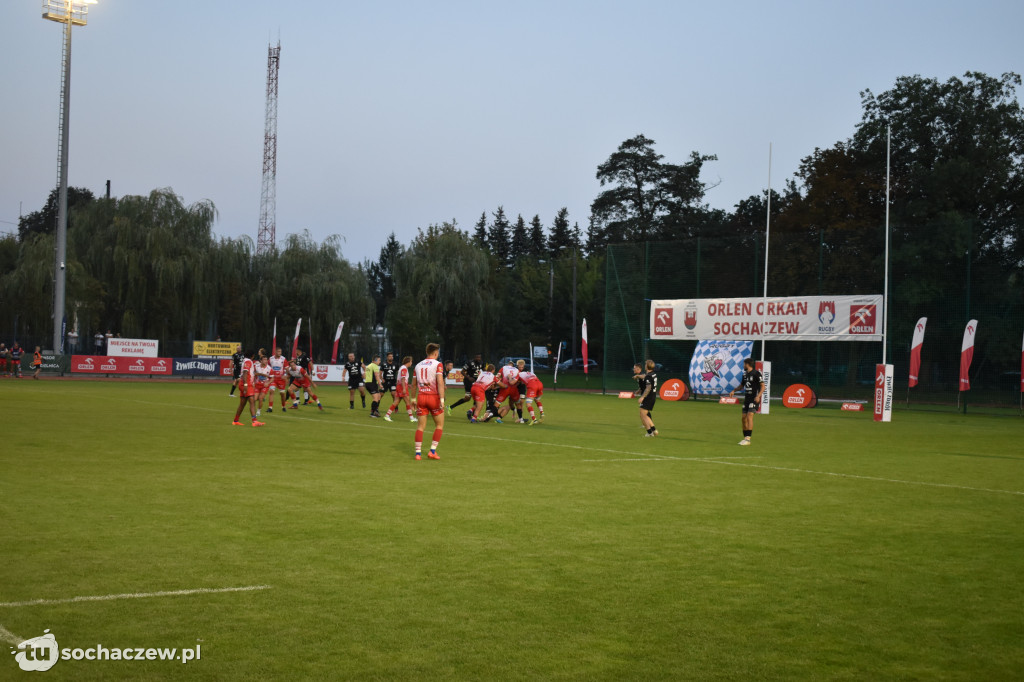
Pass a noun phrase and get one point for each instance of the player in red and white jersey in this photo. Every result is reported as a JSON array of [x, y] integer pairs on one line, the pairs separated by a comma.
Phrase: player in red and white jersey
[[402, 390], [279, 381], [508, 379], [247, 390], [261, 373], [299, 382], [428, 384], [534, 390], [484, 381]]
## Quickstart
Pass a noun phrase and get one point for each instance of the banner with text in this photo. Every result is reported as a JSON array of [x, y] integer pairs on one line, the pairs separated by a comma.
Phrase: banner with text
[[214, 348], [144, 348], [790, 318], [106, 364]]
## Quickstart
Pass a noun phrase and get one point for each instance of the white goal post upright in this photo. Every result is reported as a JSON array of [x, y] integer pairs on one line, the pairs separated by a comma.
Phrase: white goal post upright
[[766, 367], [884, 371]]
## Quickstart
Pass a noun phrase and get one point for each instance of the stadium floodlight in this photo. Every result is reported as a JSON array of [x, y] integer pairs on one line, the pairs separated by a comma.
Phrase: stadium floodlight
[[69, 14]]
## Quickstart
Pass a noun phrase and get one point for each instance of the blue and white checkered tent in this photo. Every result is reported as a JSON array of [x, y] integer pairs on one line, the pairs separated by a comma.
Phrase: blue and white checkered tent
[[717, 366]]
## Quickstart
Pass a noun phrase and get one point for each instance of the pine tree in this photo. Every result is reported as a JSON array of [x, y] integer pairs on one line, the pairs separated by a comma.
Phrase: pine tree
[[498, 237], [538, 244], [520, 240], [480, 231], [561, 235]]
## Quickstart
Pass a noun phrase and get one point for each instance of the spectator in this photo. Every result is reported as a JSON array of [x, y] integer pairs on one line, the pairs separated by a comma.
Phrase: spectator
[[73, 340], [98, 341]]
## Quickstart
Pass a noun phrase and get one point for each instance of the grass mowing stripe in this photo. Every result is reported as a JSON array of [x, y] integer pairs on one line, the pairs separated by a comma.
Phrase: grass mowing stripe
[[135, 595]]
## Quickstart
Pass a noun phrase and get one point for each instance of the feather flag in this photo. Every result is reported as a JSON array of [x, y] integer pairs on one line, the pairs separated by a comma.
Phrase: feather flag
[[967, 354], [273, 344], [585, 368], [915, 351], [295, 343], [337, 337]]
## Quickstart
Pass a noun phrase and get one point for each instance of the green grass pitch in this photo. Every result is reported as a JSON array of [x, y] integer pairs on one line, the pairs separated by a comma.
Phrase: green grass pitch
[[832, 548]]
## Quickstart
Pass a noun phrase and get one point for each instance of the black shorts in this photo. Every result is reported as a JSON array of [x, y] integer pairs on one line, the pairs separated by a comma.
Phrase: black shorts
[[372, 387], [390, 386], [236, 373], [469, 385], [354, 381], [751, 404], [648, 403]]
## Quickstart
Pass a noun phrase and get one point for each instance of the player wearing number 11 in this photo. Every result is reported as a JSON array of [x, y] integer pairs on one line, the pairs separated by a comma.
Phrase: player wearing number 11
[[429, 398]]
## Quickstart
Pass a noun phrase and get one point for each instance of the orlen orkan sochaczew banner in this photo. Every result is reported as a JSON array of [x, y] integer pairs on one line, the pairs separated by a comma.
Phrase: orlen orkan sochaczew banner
[[790, 318]]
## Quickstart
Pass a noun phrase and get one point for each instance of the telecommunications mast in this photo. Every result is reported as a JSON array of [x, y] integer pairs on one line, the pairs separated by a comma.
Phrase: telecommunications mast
[[266, 237]]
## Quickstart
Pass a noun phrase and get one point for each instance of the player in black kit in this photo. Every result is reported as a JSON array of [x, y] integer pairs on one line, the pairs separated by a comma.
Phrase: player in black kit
[[470, 371], [753, 388], [355, 380], [236, 368], [648, 387], [389, 377]]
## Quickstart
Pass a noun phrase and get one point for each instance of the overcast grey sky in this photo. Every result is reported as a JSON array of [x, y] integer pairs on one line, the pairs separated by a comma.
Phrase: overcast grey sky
[[396, 115]]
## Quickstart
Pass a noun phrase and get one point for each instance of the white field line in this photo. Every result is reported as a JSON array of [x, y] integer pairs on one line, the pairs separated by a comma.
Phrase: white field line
[[666, 458], [134, 595], [8, 636], [647, 456]]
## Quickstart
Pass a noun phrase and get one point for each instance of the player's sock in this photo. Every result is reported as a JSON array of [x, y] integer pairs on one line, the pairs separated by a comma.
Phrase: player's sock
[[459, 402], [419, 441], [351, 404], [529, 408], [519, 411], [541, 408], [747, 433], [232, 391]]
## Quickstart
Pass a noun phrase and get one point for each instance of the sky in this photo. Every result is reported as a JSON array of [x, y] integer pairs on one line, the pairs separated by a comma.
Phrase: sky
[[393, 116]]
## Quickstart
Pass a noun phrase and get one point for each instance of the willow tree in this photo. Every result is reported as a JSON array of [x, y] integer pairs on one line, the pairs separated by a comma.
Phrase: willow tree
[[442, 293], [151, 254]]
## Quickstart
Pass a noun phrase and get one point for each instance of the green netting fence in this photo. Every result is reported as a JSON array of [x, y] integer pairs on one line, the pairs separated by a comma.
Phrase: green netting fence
[[948, 293]]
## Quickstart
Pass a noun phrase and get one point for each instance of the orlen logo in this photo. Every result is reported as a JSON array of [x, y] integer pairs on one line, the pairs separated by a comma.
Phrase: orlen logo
[[137, 366], [87, 365], [799, 395], [862, 319], [663, 322], [673, 389], [879, 391]]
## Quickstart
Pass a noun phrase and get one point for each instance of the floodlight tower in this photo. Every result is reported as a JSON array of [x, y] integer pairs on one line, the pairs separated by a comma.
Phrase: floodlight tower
[[70, 14], [267, 235]]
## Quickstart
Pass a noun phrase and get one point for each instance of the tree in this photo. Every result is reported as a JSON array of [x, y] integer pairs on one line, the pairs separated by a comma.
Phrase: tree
[[442, 293], [380, 275], [561, 236], [480, 231], [538, 243], [520, 245], [647, 199], [498, 238], [44, 221]]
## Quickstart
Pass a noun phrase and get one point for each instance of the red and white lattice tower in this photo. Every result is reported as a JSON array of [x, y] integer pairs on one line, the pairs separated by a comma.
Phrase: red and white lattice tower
[[267, 236]]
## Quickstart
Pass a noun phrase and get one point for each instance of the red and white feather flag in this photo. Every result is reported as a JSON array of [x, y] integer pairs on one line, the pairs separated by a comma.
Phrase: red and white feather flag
[[295, 343], [586, 370], [967, 354], [337, 337], [273, 343], [915, 351]]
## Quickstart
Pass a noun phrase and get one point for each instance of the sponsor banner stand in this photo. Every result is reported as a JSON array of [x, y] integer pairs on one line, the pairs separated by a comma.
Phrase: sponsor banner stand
[[765, 368], [799, 396], [674, 389], [883, 393], [852, 407]]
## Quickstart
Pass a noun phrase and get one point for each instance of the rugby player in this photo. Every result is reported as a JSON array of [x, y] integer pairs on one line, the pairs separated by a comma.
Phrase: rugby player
[[429, 398], [355, 380], [470, 370], [753, 389], [237, 358], [300, 381], [648, 394], [246, 389], [484, 382], [278, 366], [534, 390], [402, 390]]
